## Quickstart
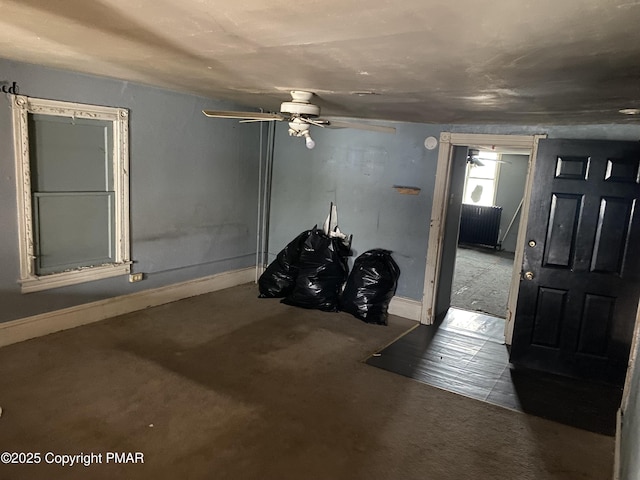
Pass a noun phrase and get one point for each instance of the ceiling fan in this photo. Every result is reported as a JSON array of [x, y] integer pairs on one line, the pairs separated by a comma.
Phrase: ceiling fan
[[474, 160], [301, 114]]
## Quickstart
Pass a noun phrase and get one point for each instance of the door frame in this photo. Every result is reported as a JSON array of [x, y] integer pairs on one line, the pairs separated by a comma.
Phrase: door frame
[[626, 402], [439, 208]]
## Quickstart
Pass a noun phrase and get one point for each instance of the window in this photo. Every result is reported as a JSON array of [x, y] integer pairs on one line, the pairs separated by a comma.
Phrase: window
[[73, 192], [482, 177]]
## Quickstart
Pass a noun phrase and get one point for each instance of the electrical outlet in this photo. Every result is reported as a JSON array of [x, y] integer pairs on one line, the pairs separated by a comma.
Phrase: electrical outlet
[[136, 277]]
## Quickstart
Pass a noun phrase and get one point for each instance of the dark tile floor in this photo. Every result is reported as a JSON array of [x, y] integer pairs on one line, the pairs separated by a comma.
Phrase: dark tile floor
[[466, 354]]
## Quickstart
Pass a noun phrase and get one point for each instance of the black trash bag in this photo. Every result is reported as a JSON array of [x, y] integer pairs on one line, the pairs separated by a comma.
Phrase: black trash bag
[[279, 278], [323, 269], [370, 286]]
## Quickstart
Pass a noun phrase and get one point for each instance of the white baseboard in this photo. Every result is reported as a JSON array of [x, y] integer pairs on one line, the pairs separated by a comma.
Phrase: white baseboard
[[405, 307], [43, 324]]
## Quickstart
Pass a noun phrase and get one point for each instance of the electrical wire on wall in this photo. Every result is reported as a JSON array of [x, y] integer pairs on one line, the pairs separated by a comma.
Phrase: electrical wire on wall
[[258, 217], [264, 196]]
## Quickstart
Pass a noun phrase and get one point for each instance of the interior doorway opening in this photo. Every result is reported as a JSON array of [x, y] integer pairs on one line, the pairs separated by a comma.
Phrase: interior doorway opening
[[492, 198], [439, 257]]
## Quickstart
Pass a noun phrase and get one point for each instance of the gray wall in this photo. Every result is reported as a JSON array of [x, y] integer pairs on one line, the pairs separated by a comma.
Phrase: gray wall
[[193, 187], [511, 181], [357, 170]]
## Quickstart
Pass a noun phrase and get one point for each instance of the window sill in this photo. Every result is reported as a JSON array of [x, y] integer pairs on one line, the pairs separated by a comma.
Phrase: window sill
[[74, 277]]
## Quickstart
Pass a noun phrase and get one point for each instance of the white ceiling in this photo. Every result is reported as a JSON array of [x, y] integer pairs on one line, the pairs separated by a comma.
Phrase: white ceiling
[[438, 61]]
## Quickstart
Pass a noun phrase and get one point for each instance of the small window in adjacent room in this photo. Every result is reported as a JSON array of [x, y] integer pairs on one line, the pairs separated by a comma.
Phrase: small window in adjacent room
[[73, 192], [482, 176]]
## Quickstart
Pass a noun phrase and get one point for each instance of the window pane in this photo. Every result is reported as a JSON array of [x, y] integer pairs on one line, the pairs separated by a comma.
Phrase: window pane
[[488, 170], [479, 192], [483, 154], [73, 230], [70, 155]]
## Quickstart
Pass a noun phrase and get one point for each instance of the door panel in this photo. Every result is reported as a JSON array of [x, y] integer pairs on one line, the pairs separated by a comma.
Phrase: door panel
[[550, 306], [561, 233], [580, 284]]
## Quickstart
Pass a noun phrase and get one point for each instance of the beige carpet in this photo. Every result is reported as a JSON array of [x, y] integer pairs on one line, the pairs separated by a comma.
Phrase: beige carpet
[[229, 386]]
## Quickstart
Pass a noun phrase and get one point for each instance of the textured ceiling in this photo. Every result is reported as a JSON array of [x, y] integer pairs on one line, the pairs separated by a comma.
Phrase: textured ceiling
[[440, 61]]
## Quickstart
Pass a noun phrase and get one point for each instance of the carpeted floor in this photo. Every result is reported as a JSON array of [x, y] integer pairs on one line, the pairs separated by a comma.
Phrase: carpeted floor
[[230, 386], [481, 280]]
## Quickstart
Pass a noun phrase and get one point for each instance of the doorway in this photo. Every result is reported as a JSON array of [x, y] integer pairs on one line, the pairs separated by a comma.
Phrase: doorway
[[598, 334], [493, 194], [443, 234]]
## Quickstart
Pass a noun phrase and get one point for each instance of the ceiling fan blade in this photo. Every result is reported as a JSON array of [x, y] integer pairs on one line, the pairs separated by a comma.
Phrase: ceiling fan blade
[[475, 162], [360, 126], [243, 115], [253, 120], [317, 122]]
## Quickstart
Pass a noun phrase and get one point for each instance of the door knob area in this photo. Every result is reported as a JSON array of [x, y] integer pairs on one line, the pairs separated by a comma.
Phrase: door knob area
[[532, 243], [528, 275]]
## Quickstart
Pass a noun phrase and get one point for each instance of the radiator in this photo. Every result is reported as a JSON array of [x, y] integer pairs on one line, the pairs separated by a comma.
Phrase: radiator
[[480, 225]]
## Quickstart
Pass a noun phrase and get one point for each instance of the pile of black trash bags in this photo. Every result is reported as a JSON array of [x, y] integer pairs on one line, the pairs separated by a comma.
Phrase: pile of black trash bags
[[311, 272]]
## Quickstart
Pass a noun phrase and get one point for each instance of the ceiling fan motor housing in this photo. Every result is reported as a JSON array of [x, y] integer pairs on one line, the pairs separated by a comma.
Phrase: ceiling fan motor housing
[[296, 108], [300, 105]]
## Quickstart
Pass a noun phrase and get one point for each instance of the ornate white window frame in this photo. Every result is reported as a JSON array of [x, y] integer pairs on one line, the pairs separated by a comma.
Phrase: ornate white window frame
[[21, 107]]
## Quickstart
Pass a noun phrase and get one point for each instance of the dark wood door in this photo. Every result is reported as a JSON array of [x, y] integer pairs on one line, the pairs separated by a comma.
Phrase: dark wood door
[[580, 284]]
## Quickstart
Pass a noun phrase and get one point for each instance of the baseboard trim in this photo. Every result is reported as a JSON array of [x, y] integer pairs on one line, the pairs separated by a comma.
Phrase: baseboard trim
[[405, 307], [15, 331]]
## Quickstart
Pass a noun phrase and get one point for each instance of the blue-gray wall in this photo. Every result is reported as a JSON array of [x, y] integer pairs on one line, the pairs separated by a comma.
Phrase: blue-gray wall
[[509, 193], [358, 169], [193, 187]]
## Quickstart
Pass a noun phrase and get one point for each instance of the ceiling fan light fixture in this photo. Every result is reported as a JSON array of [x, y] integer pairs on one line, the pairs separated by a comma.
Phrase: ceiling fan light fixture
[[308, 141], [298, 128]]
